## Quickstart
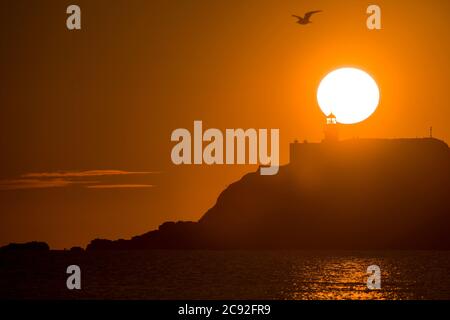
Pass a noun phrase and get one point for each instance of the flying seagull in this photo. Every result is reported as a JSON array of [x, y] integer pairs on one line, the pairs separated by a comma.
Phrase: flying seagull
[[305, 19]]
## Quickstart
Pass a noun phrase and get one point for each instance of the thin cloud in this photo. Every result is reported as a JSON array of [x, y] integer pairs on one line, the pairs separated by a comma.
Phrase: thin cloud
[[87, 173], [60, 179], [120, 186], [21, 184]]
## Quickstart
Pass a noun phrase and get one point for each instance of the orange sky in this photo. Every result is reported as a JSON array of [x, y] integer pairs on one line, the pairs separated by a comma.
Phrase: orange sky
[[108, 97]]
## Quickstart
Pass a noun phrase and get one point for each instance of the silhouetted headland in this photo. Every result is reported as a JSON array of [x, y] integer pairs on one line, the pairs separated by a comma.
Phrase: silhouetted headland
[[353, 194]]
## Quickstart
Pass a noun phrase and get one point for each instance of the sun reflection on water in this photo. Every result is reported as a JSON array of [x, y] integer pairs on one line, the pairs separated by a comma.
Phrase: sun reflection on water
[[344, 278]]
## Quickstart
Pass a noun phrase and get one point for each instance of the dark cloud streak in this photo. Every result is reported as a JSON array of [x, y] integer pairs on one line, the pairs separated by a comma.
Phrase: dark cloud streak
[[60, 179]]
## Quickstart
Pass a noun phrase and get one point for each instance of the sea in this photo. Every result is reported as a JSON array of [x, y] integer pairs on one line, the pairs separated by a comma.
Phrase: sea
[[211, 275]]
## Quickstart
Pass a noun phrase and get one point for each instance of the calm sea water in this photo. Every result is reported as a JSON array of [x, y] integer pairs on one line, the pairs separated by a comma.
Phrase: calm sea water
[[227, 275]]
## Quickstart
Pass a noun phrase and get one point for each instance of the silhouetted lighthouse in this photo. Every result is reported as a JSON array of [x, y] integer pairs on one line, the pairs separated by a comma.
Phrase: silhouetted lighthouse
[[331, 129], [304, 151]]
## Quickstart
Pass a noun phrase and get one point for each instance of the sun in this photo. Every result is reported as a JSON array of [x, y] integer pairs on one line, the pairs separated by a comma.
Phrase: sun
[[351, 94]]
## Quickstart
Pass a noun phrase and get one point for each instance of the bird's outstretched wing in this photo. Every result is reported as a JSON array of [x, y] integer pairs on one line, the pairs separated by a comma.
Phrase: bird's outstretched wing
[[309, 14], [297, 16]]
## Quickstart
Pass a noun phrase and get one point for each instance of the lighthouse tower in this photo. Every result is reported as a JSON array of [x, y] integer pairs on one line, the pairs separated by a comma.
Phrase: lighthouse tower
[[331, 129]]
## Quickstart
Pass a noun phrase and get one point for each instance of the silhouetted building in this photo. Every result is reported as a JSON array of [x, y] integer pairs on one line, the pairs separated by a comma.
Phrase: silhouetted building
[[301, 151], [331, 129]]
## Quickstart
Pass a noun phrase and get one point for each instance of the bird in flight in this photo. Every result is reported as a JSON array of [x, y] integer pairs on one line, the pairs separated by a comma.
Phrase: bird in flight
[[305, 20]]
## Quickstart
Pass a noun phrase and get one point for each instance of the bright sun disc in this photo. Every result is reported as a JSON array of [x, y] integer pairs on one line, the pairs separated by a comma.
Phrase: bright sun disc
[[350, 94]]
